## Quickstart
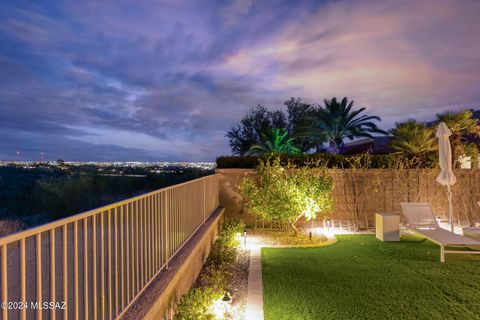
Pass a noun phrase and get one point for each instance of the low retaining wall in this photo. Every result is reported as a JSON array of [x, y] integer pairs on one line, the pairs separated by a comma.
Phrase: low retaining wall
[[360, 193], [159, 299]]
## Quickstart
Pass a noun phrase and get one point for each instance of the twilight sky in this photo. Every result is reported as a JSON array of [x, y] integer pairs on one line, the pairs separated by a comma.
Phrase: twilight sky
[[164, 80]]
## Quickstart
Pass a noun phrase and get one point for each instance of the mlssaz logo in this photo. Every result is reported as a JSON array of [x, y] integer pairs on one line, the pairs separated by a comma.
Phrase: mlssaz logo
[[48, 305]]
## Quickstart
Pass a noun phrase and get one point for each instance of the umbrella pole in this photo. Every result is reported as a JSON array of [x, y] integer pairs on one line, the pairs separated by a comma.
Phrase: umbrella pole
[[450, 209]]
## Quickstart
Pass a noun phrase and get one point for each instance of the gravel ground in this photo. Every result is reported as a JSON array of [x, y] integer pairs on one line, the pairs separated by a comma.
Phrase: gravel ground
[[238, 284]]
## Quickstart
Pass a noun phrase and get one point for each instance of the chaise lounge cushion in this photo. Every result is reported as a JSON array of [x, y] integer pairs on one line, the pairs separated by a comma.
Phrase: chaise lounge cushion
[[447, 238]]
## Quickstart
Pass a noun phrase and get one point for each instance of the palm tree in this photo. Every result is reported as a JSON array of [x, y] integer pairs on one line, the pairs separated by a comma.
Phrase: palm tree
[[276, 141], [462, 124], [338, 121], [413, 138]]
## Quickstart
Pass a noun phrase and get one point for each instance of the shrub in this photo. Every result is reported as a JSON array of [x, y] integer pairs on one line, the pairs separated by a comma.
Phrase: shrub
[[276, 192], [221, 254], [228, 235], [196, 304], [213, 279], [326, 160], [216, 277]]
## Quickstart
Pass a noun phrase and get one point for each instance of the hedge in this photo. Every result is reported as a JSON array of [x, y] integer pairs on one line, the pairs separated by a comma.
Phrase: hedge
[[374, 161]]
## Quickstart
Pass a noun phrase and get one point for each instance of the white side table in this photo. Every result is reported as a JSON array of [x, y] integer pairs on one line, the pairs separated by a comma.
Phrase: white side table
[[387, 226]]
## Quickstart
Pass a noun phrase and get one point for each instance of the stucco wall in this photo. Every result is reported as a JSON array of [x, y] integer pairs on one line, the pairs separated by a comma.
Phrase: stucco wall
[[229, 197]]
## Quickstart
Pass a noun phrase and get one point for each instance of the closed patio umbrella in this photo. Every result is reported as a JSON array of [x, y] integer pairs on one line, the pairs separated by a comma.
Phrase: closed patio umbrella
[[446, 176]]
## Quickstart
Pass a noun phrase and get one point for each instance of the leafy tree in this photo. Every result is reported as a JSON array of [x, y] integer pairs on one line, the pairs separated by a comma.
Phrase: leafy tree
[[287, 194], [301, 116], [462, 124], [413, 139], [337, 121], [276, 141], [251, 128], [260, 121]]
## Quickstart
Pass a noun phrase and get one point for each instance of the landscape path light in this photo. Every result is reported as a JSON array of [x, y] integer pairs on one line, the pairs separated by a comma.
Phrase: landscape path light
[[226, 303]]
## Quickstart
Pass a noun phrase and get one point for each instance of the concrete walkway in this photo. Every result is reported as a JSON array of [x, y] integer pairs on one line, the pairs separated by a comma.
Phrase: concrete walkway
[[254, 308]]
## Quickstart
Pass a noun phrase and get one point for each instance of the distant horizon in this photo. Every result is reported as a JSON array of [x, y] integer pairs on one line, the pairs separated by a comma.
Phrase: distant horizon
[[100, 162], [38, 160], [164, 81]]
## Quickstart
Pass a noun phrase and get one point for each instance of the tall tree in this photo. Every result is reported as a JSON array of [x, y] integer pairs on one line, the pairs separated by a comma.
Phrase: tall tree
[[276, 141], [337, 121], [301, 116], [258, 122], [413, 138], [462, 124]]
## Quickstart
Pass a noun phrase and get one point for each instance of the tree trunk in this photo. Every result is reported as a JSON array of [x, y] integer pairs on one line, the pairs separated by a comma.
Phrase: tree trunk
[[333, 147], [294, 227]]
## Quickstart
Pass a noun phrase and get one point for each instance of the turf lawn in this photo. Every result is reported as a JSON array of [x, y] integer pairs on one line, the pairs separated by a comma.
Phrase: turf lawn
[[361, 277]]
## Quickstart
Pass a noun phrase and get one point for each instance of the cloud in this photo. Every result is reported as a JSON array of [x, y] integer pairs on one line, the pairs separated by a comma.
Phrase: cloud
[[147, 80], [393, 57]]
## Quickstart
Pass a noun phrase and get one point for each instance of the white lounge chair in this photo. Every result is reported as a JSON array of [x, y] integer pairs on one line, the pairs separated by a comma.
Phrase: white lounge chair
[[421, 220]]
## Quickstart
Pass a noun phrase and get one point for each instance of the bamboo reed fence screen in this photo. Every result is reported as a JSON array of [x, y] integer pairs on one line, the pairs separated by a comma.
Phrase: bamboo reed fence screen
[[360, 193]]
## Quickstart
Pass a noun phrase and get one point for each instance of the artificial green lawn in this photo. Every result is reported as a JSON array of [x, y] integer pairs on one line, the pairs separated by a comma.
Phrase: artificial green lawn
[[361, 277]]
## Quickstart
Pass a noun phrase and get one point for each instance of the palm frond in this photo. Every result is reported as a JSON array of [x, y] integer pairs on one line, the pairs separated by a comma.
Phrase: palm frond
[[338, 121], [276, 141], [413, 138]]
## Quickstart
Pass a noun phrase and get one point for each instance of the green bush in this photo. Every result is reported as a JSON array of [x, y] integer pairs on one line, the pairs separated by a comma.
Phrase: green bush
[[196, 304], [221, 254], [332, 161], [213, 279], [278, 193], [216, 277], [228, 235]]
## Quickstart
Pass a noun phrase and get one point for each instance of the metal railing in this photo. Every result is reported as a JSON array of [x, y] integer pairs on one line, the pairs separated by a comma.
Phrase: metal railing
[[95, 264]]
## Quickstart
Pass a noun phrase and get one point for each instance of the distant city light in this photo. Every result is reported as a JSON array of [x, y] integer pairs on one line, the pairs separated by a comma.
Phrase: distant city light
[[156, 167]]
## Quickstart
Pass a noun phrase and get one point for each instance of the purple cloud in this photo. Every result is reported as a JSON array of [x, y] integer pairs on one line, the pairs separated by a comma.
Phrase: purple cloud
[[124, 80]]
